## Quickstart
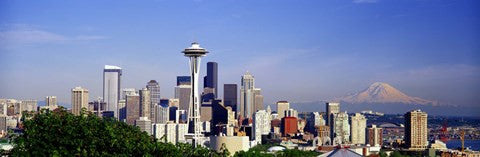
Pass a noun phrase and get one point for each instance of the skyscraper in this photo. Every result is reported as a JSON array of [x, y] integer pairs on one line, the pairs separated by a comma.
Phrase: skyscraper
[[145, 103], [282, 106], [258, 100], [154, 89], [247, 96], [111, 87], [332, 108], [162, 112], [340, 128], [261, 125], [358, 126], [132, 108], [211, 79], [79, 99], [230, 96], [374, 136], [194, 53], [416, 131], [50, 101], [184, 80], [182, 93]]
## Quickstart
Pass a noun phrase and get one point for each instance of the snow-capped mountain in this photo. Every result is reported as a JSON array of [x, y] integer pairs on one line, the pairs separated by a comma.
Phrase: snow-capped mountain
[[380, 92]]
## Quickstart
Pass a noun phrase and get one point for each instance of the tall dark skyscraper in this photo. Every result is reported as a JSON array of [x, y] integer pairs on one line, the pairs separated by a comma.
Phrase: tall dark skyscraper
[[211, 79], [183, 80], [230, 96]]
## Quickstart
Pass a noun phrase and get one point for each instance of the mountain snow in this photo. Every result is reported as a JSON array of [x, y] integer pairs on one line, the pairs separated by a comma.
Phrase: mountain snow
[[380, 92]]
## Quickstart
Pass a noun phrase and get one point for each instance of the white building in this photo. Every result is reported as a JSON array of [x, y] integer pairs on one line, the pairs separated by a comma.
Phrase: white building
[[358, 127], [162, 113], [340, 129], [144, 124], [111, 87], [261, 125], [318, 119], [282, 106], [170, 132], [79, 99], [247, 96]]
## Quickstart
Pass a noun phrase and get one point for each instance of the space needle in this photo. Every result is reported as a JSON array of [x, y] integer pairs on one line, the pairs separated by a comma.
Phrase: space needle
[[194, 52]]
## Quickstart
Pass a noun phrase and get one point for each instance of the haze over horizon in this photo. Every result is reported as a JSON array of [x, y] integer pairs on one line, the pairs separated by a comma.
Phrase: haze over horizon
[[316, 50]]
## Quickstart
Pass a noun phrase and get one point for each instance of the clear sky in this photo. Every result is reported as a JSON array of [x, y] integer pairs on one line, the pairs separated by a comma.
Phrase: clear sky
[[297, 50]]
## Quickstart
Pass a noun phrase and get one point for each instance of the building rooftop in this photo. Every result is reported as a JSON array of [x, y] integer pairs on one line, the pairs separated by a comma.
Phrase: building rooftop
[[112, 67]]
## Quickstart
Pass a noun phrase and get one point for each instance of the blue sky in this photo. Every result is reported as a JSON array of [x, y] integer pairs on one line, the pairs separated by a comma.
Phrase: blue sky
[[297, 50]]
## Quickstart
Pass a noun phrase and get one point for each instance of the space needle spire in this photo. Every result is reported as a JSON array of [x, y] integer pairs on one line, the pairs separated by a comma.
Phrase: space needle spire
[[194, 53]]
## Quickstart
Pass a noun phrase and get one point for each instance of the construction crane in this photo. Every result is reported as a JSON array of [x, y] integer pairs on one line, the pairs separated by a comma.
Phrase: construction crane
[[462, 138]]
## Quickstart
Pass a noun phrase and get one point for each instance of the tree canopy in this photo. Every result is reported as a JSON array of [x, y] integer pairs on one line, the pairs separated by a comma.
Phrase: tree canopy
[[60, 133]]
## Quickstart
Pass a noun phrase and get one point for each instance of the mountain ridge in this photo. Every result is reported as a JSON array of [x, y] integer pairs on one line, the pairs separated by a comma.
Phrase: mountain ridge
[[380, 92]]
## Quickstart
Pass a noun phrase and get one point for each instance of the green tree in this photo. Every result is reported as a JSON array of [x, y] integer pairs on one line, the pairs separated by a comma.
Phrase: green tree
[[60, 133]]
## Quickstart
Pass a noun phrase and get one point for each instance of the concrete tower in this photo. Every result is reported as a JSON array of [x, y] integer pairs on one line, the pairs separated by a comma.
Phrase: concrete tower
[[194, 53]]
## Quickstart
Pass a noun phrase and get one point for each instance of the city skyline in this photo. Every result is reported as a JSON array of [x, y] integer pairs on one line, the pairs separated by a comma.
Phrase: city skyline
[[326, 53]]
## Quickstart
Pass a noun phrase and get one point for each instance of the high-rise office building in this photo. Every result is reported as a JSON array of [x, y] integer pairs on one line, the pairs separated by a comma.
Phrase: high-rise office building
[[289, 126], [230, 96], [208, 94], [162, 112], [184, 80], [332, 108], [358, 126], [79, 100], [282, 106], [122, 110], [181, 116], [111, 87], [97, 107], [145, 103], [206, 111], [128, 91], [247, 95], [154, 89], [182, 93], [211, 79], [261, 125], [172, 113], [50, 101], [258, 100], [132, 106], [374, 136], [340, 129], [219, 115], [144, 124], [416, 131]]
